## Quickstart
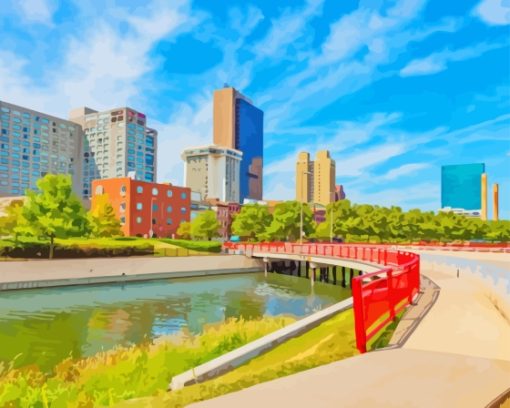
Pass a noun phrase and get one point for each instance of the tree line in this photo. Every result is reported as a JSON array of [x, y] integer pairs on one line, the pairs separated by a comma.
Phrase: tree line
[[363, 223]]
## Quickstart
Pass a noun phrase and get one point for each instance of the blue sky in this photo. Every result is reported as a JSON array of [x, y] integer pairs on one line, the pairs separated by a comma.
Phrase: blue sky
[[393, 89]]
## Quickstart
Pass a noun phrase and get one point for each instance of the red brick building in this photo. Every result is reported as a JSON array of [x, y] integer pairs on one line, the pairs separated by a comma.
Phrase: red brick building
[[224, 214], [145, 208]]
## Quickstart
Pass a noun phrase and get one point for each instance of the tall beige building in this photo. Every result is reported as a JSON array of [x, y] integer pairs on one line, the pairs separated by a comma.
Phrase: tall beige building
[[484, 197], [315, 180], [304, 178]]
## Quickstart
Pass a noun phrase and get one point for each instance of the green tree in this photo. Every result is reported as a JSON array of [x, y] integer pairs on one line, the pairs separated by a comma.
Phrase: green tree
[[205, 225], [53, 212], [184, 230], [498, 231], [286, 222], [252, 221], [102, 218], [11, 218]]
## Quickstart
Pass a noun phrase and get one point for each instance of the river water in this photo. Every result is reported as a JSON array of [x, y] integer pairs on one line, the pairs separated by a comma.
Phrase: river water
[[45, 326]]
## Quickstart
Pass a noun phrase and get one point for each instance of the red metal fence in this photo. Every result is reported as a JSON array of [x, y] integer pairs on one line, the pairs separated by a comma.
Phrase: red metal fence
[[377, 297]]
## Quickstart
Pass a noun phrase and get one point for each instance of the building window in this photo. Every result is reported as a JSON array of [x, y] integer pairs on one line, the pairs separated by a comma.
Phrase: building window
[[168, 221], [123, 190], [122, 220], [139, 206], [154, 207], [154, 191], [138, 220], [183, 195], [122, 207], [154, 221], [183, 210], [139, 189], [169, 193], [169, 208]]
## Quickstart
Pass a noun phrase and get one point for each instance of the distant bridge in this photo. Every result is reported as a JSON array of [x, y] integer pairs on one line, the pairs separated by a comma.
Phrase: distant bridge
[[388, 279]]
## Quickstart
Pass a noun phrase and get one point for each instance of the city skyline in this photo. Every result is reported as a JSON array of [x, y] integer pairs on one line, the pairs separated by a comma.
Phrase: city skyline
[[356, 98]]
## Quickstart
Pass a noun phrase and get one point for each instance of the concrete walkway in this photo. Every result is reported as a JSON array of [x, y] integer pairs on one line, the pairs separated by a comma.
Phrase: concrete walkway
[[457, 355]]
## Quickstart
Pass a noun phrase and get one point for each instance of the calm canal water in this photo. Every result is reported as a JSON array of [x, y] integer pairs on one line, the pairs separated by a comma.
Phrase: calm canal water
[[45, 326]]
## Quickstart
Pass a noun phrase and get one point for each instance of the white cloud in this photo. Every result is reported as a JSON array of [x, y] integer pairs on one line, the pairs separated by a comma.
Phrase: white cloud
[[494, 12], [40, 11], [101, 65], [286, 29], [404, 170], [438, 61], [356, 164]]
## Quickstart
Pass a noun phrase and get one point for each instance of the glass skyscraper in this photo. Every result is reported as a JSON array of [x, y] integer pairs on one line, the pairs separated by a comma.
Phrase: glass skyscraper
[[249, 139], [461, 186], [238, 124]]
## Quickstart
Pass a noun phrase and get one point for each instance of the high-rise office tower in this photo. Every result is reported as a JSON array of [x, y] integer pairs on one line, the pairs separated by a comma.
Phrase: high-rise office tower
[[304, 178], [483, 215], [116, 143], [239, 125], [461, 186], [495, 202], [315, 180], [33, 144], [213, 171]]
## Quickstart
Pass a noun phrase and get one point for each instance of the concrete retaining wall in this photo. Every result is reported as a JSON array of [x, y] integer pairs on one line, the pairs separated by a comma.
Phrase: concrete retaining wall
[[43, 274], [239, 356]]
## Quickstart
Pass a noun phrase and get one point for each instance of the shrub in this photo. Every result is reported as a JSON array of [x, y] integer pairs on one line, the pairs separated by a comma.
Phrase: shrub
[[207, 246]]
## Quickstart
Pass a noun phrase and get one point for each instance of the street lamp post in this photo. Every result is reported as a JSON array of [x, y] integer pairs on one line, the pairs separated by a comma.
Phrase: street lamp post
[[331, 225], [302, 202], [151, 231]]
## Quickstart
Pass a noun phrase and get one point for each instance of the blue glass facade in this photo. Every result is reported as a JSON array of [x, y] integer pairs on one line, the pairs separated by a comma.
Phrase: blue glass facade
[[249, 138], [461, 186]]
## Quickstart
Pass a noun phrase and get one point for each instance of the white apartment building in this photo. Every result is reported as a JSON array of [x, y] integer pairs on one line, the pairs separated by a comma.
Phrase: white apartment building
[[213, 171], [116, 143], [33, 144]]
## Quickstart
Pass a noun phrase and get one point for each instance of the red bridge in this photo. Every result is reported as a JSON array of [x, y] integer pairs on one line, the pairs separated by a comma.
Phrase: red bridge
[[377, 296]]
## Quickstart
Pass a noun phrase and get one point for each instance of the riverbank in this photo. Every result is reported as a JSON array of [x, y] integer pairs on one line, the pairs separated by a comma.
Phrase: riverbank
[[50, 273], [458, 353]]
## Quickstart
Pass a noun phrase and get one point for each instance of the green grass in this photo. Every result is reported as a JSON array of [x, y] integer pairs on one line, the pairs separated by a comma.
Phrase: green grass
[[124, 373], [331, 341], [208, 246], [29, 247]]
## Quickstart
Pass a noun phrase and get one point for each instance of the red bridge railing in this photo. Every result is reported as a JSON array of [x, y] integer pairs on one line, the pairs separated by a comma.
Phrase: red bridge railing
[[377, 297]]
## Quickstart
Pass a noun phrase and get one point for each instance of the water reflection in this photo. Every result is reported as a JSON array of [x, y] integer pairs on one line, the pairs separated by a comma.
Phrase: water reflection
[[48, 325]]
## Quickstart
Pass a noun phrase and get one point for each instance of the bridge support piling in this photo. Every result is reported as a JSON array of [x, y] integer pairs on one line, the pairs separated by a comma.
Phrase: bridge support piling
[[350, 277], [343, 276], [307, 269]]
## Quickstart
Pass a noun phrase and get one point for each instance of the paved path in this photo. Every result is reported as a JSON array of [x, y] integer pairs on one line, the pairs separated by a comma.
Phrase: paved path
[[458, 355]]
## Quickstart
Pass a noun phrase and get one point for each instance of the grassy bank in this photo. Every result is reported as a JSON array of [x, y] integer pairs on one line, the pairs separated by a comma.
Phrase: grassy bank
[[26, 247], [331, 341], [124, 373]]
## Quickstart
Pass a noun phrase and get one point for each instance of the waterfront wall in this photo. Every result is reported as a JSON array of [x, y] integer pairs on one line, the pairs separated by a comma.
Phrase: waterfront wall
[[46, 273]]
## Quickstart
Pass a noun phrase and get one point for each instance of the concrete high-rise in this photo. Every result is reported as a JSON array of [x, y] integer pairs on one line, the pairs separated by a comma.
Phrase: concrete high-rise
[[461, 186], [239, 125], [116, 143], [324, 170], [315, 180], [33, 144], [304, 178], [213, 171], [495, 202]]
